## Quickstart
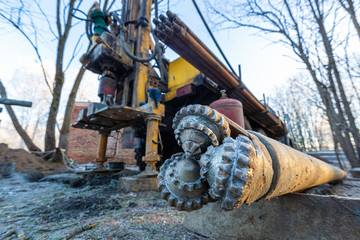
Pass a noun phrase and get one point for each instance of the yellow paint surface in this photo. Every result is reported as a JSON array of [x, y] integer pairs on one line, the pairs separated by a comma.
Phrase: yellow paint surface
[[181, 73]]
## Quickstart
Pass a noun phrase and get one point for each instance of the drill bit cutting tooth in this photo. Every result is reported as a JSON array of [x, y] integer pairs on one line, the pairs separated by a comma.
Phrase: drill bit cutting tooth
[[181, 185], [203, 125]]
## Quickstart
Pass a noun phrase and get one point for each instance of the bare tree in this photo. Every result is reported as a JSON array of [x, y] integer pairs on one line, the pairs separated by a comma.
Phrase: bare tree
[[65, 129], [27, 140], [63, 25], [300, 25], [349, 6], [317, 10], [63, 29], [303, 118]]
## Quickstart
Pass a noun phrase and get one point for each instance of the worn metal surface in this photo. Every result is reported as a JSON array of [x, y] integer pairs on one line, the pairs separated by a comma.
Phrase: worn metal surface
[[238, 171], [197, 127], [175, 34], [181, 73], [106, 54], [231, 108], [106, 118], [143, 41], [294, 170], [102, 150], [152, 141], [248, 168], [181, 185]]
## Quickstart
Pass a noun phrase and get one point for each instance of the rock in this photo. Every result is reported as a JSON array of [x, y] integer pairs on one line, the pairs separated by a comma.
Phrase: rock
[[137, 184], [66, 178], [355, 172], [113, 183], [34, 176], [132, 205], [127, 173], [77, 182]]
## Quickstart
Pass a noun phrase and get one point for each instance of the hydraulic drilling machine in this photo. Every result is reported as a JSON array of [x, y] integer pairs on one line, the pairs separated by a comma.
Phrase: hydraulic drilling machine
[[140, 88]]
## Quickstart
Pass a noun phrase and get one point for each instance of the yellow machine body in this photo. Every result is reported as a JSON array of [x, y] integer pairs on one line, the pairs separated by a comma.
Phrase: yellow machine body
[[181, 73]]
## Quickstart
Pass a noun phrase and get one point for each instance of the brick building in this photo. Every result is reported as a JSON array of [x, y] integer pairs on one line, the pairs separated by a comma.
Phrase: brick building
[[83, 143]]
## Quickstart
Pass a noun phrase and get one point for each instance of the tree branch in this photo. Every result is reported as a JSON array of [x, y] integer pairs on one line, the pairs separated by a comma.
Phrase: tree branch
[[24, 136], [34, 45]]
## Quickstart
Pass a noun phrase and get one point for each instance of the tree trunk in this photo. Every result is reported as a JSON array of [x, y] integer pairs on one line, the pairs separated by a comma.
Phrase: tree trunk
[[299, 127], [351, 10], [333, 68], [50, 140], [65, 129], [340, 135], [22, 143], [344, 141], [24, 136]]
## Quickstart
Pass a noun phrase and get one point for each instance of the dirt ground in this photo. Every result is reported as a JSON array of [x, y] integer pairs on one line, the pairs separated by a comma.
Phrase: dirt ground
[[53, 209], [26, 161], [62, 206], [34, 205]]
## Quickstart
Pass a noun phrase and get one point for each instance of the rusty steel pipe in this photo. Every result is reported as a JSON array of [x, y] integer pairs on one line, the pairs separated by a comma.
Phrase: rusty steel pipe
[[295, 170], [194, 48], [186, 31], [243, 168], [183, 41], [254, 167], [180, 45], [249, 107], [178, 40], [202, 64], [177, 21]]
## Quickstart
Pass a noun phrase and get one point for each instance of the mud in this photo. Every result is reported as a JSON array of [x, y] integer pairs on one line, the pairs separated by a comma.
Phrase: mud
[[72, 207]]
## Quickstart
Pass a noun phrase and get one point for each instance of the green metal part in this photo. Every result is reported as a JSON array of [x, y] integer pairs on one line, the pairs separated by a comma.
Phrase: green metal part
[[99, 19]]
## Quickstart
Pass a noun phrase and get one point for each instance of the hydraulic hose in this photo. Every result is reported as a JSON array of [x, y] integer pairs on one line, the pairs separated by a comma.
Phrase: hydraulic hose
[[136, 58]]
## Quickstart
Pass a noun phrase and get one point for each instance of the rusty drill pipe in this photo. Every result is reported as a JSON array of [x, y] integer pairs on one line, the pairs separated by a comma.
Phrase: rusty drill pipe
[[243, 168], [247, 169], [217, 70], [183, 41]]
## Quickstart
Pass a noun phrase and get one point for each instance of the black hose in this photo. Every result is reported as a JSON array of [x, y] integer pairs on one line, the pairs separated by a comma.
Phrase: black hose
[[213, 38], [136, 58]]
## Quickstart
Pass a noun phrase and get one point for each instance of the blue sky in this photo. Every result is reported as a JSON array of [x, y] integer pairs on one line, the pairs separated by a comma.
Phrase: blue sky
[[264, 65]]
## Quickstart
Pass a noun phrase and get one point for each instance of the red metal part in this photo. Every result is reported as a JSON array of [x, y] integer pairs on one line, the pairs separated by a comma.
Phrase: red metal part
[[184, 90], [231, 108], [107, 86]]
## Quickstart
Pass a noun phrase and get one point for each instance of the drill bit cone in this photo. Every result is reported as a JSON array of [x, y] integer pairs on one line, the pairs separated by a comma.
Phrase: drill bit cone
[[181, 185], [197, 127]]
